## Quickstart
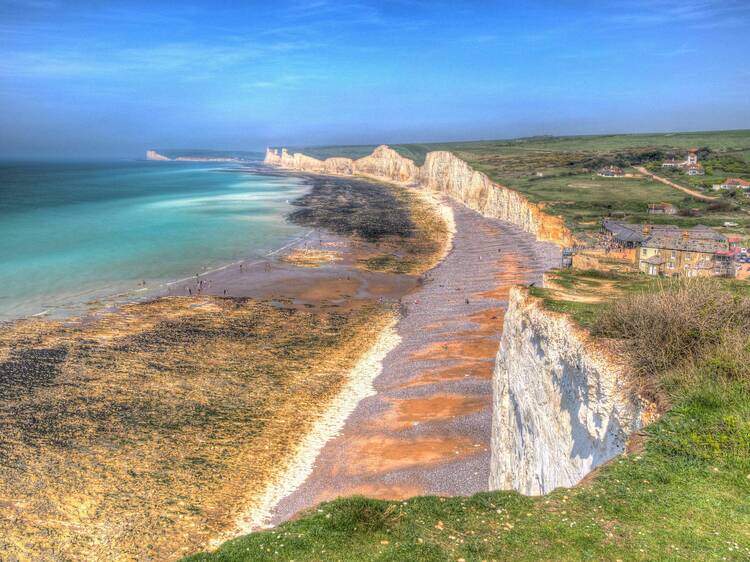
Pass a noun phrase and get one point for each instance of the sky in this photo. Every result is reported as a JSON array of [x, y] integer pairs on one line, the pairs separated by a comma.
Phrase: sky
[[100, 79]]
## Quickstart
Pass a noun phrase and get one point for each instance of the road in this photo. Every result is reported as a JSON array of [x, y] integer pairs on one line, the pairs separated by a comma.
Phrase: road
[[691, 192]]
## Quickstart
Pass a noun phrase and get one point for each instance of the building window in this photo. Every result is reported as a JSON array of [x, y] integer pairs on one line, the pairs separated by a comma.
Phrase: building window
[[674, 254]]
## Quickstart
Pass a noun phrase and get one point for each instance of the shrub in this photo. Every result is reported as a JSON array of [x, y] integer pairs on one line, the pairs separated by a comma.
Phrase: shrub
[[690, 321]]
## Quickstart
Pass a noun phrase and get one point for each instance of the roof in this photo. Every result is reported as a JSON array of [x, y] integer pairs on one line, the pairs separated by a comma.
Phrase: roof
[[628, 232], [737, 181], [654, 260], [685, 244], [624, 232]]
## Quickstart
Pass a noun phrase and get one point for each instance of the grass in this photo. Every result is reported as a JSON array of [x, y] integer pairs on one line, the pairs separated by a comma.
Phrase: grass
[[680, 493]]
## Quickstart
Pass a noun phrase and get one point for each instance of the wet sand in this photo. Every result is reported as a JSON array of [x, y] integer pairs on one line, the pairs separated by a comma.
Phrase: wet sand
[[427, 430], [336, 283]]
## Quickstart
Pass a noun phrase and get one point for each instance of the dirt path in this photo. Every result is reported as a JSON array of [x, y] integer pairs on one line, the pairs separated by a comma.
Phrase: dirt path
[[665, 181], [427, 428]]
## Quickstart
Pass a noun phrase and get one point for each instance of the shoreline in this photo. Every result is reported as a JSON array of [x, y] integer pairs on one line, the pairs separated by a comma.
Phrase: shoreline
[[330, 423], [83, 300], [427, 429]]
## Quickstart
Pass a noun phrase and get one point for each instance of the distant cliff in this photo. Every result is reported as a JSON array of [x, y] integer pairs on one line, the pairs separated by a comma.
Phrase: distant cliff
[[444, 172], [153, 155]]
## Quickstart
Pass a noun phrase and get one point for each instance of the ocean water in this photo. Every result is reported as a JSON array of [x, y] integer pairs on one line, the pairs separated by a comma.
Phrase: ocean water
[[77, 233]]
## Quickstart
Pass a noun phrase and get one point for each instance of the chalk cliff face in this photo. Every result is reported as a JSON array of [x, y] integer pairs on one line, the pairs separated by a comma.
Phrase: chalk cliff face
[[561, 404], [385, 163], [444, 172]]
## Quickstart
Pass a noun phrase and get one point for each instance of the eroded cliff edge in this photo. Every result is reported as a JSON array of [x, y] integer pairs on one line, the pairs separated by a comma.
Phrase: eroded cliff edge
[[443, 172], [562, 402]]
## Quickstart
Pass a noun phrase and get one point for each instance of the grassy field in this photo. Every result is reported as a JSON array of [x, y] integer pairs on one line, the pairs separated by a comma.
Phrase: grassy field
[[680, 493], [560, 172]]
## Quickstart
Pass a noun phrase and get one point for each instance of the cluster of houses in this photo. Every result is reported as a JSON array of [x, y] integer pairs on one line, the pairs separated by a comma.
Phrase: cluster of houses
[[690, 165], [698, 251]]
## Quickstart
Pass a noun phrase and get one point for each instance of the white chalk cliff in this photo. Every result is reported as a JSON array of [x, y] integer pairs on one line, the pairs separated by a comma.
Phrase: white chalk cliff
[[562, 404], [444, 172]]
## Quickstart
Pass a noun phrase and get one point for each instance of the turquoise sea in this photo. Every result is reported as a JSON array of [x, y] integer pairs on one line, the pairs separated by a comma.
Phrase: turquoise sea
[[76, 232]]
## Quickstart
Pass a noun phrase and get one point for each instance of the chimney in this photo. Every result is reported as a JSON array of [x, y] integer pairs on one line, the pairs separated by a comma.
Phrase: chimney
[[685, 234], [646, 229]]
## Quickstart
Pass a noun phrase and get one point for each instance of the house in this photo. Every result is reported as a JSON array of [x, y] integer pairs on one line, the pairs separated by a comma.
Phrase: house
[[732, 183], [628, 235], [610, 172], [684, 255], [662, 209], [690, 165], [666, 249], [618, 234]]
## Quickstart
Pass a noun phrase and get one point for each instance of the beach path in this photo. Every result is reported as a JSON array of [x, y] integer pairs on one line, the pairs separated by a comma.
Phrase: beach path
[[427, 428]]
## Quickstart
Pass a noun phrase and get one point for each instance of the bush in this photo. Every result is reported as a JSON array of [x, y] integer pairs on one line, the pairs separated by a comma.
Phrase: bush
[[690, 321], [722, 205]]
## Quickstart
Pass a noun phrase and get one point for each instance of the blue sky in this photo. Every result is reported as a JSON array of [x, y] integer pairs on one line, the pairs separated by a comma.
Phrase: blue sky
[[113, 78]]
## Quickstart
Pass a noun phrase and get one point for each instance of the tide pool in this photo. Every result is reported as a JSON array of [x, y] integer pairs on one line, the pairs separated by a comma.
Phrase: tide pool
[[73, 233]]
